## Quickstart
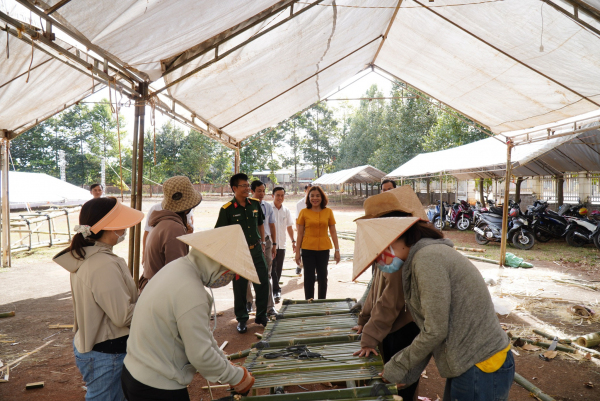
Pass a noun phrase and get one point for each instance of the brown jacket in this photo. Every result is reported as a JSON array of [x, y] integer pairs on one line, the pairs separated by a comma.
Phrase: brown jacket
[[162, 245], [384, 310]]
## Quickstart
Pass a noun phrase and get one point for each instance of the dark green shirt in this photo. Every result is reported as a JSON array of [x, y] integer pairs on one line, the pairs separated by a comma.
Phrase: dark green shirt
[[249, 217]]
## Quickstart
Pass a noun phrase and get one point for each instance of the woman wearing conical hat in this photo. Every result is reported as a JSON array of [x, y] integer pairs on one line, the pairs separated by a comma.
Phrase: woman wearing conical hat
[[384, 320], [448, 301], [171, 337]]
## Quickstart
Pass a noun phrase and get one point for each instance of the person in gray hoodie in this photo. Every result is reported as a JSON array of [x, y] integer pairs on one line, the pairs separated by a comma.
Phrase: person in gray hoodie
[[170, 336], [450, 303]]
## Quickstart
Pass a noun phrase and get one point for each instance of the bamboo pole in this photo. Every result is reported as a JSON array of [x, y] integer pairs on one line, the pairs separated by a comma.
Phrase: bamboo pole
[[7, 314], [306, 341], [504, 230], [482, 259], [25, 356], [338, 394], [462, 248], [531, 388], [546, 345], [238, 355], [315, 301], [298, 369], [550, 337], [309, 314], [587, 350], [589, 340]]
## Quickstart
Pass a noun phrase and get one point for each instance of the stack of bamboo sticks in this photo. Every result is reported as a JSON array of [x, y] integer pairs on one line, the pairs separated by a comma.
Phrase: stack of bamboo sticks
[[324, 327]]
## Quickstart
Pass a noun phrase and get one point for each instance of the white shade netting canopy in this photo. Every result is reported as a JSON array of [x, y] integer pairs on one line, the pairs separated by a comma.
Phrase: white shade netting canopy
[[37, 189], [487, 158], [481, 58], [356, 175]]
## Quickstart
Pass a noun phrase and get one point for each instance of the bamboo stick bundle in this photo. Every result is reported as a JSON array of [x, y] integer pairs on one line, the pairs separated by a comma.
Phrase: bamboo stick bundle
[[329, 374], [308, 334], [332, 306], [238, 355], [338, 394], [315, 301], [305, 327]]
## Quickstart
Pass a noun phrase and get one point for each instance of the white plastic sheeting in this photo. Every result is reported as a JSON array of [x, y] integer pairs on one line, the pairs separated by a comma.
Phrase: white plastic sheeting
[[240, 84], [487, 158], [52, 85], [36, 189], [497, 75], [356, 175], [480, 57]]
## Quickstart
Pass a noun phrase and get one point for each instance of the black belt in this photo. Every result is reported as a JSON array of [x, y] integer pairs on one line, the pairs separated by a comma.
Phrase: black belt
[[114, 346]]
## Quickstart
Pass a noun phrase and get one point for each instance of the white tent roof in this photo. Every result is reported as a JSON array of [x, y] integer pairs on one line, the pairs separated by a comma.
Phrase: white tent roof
[[482, 58], [36, 189], [277, 172], [360, 174], [487, 158]]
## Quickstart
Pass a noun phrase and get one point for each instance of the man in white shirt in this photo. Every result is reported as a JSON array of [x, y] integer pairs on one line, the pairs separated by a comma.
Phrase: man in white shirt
[[302, 202], [284, 222], [258, 191], [299, 206]]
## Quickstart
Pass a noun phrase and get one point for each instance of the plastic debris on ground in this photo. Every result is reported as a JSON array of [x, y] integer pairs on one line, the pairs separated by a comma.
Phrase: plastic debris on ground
[[513, 260]]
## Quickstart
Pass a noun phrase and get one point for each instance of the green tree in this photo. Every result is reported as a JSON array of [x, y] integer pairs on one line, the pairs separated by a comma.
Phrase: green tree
[[408, 119], [320, 145], [33, 151], [450, 131], [292, 134], [259, 152], [363, 130]]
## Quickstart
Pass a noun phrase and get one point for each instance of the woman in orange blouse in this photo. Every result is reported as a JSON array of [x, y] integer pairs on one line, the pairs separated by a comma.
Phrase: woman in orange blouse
[[315, 243]]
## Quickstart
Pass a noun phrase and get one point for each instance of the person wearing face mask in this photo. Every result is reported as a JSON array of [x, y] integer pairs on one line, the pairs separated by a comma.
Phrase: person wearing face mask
[[169, 223], [171, 337], [104, 294], [446, 296], [384, 320]]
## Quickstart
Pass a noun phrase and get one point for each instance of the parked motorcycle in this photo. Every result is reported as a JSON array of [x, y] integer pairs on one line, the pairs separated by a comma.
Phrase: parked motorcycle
[[460, 215], [545, 225], [434, 215], [489, 228]]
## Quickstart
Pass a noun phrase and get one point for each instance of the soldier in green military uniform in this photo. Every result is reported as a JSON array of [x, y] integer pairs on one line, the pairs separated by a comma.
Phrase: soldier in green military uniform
[[247, 212]]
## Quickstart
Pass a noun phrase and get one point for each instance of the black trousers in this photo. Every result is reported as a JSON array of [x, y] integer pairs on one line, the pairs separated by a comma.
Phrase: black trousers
[[137, 391], [277, 270], [394, 343], [315, 261]]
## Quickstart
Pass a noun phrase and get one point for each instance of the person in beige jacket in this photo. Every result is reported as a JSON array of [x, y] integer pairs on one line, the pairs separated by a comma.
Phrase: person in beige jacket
[[103, 292], [171, 337]]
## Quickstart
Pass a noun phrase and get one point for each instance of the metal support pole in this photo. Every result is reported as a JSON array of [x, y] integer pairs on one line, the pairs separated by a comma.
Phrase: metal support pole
[[509, 146], [5, 205], [441, 195], [140, 181], [134, 156], [237, 160]]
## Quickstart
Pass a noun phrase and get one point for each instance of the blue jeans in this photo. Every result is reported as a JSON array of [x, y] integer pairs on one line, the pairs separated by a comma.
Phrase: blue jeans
[[476, 385], [102, 374]]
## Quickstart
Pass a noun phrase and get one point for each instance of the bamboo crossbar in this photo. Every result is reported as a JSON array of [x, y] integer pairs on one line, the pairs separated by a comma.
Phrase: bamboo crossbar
[[307, 341], [315, 301], [339, 394], [286, 315]]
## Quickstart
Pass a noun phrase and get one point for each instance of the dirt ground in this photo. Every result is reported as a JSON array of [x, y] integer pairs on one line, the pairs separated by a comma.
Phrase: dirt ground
[[38, 290]]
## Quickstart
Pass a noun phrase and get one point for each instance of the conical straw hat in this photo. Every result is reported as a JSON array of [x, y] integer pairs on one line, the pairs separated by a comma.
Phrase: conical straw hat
[[401, 199], [373, 236], [226, 245]]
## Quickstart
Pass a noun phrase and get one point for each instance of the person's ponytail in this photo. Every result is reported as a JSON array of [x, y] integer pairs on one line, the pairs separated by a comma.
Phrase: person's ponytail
[[91, 212]]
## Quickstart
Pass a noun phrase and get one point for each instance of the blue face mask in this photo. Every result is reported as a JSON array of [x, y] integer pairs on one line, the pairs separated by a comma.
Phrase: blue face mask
[[392, 267]]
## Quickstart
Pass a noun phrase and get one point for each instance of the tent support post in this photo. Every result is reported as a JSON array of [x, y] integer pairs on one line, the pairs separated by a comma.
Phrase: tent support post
[[504, 231], [518, 189], [560, 197], [134, 155], [6, 261], [441, 195], [139, 182], [237, 160]]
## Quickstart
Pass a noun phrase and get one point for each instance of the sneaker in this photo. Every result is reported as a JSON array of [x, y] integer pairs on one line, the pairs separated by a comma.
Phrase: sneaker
[[272, 312], [249, 306]]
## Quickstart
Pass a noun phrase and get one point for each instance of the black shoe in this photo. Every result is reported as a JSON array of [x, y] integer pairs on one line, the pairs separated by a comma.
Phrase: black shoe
[[241, 327], [277, 297], [249, 306], [298, 270], [261, 320]]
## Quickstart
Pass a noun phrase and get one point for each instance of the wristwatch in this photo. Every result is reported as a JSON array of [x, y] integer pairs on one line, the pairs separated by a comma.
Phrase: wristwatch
[[274, 243], [337, 250], [264, 243]]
